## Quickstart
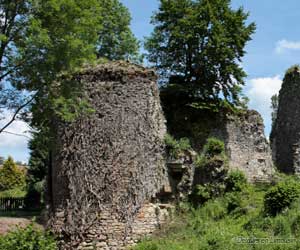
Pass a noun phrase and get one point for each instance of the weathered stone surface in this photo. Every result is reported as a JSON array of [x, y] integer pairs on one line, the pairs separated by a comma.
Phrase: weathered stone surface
[[108, 165], [109, 184], [243, 135], [285, 136], [246, 145], [181, 173]]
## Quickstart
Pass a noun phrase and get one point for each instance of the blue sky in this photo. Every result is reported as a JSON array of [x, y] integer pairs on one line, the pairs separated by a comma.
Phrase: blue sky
[[274, 48]]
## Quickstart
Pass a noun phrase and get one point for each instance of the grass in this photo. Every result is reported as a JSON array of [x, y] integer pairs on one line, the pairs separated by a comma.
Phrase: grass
[[214, 227]]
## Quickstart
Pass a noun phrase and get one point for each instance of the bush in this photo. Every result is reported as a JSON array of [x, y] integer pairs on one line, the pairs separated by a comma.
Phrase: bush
[[296, 226], [212, 169], [176, 147], [213, 154], [11, 176], [281, 226], [281, 196], [213, 147], [15, 193], [201, 194], [205, 192], [27, 238], [212, 164], [235, 181], [234, 201], [214, 209]]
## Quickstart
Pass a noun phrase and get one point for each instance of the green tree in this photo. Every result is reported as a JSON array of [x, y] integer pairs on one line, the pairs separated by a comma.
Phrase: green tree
[[116, 40], [13, 22], [102, 30], [197, 45], [61, 36], [11, 176], [40, 40], [39, 156], [54, 38]]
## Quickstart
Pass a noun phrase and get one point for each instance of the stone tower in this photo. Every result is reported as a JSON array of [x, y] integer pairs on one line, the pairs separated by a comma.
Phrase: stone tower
[[109, 165], [285, 136]]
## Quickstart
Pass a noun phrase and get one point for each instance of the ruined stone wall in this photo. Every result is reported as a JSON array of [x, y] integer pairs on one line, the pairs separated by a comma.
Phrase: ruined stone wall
[[243, 135], [109, 165], [285, 135], [246, 145], [109, 233]]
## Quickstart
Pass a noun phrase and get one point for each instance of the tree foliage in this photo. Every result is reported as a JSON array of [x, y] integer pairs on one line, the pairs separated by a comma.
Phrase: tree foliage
[[13, 22], [39, 156], [116, 40], [198, 45], [70, 33], [46, 39], [11, 176]]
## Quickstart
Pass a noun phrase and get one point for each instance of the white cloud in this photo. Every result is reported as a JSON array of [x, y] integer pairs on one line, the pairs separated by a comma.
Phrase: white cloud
[[284, 45], [14, 145], [260, 91]]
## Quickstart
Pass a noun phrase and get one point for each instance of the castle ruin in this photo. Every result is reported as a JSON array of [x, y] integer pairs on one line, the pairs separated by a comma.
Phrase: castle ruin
[[110, 184], [285, 135], [109, 165]]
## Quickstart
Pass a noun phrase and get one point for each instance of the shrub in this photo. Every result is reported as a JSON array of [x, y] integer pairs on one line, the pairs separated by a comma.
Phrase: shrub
[[15, 193], [213, 163], [212, 168], [259, 223], [235, 181], [213, 147], [205, 192], [281, 196], [234, 201], [214, 209], [200, 195], [11, 176], [296, 226], [281, 226], [27, 238], [176, 147]]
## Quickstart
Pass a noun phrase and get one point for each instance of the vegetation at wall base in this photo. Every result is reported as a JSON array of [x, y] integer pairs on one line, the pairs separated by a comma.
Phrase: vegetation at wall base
[[223, 223], [29, 238], [281, 196]]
